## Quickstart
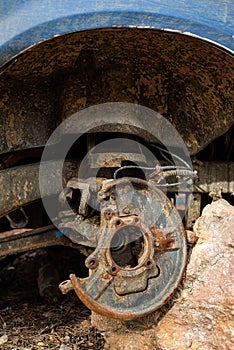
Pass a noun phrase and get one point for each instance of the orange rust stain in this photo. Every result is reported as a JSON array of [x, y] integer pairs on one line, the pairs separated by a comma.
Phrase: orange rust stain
[[162, 242]]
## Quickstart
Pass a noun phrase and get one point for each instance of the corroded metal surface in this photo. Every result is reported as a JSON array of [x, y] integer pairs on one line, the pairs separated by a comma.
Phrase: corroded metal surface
[[188, 81], [140, 254], [216, 176], [194, 209], [22, 240], [20, 185]]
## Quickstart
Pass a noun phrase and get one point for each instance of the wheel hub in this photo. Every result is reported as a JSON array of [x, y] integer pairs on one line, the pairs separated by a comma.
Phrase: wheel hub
[[140, 255]]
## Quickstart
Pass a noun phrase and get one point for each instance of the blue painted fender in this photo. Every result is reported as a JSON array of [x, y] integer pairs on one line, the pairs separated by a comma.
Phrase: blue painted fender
[[24, 23]]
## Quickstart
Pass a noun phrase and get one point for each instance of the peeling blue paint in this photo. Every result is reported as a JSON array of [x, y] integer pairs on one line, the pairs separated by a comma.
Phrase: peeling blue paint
[[26, 22], [59, 234]]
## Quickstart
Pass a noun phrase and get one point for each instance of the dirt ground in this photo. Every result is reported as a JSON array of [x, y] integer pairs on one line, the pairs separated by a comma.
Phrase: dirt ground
[[28, 321]]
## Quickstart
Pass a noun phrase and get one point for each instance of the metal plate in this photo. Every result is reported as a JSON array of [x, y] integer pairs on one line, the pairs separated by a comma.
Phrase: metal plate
[[130, 290]]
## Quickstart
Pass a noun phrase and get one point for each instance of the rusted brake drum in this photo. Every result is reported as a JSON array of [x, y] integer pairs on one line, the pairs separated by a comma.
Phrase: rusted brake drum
[[140, 254]]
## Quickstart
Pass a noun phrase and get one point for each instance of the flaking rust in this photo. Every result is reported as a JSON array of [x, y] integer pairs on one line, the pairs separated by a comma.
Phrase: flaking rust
[[140, 256], [162, 242]]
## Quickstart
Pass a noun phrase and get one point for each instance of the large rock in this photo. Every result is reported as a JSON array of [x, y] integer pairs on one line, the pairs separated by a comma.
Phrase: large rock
[[203, 316]]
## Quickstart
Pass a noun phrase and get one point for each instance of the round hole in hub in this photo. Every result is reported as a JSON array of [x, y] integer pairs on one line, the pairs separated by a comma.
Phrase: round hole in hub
[[148, 263], [127, 246], [92, 263], [118, 222]]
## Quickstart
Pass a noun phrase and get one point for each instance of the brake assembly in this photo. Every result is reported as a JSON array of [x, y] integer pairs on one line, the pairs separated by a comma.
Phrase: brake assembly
[[137, 244]]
